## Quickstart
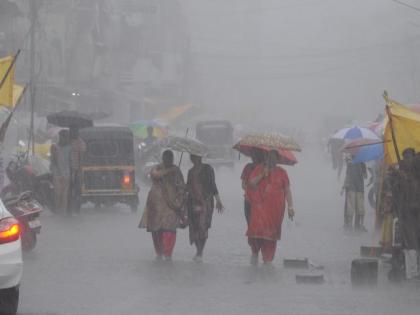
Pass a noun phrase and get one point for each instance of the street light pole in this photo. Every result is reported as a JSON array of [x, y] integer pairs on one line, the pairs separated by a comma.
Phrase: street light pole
[[34, 17]]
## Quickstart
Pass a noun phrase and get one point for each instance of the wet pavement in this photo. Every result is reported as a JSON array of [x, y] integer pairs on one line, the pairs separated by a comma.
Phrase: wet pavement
[[101, 263]]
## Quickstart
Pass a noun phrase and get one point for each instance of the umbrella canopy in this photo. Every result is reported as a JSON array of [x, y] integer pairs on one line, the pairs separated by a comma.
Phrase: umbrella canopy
[[355, 132], [70, 119], [139, 128], [364, 150], [185, 144], [269, 141], [286, 156]]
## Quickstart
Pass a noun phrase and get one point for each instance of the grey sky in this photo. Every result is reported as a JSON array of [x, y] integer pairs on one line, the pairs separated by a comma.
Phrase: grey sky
[[318, 57]]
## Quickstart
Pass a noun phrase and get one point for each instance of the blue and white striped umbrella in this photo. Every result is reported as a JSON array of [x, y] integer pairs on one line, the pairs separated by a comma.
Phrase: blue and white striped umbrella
[[368, 153], [355, 132]]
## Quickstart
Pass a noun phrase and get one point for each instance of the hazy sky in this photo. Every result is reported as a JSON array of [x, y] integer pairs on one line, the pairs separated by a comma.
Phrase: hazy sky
[[297, 61]]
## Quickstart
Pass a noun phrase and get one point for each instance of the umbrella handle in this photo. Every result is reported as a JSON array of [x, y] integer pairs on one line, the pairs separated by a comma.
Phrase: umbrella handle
[[182, 153]]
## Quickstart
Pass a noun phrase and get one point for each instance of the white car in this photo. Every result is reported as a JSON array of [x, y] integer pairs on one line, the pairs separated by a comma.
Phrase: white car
[[11, 264]]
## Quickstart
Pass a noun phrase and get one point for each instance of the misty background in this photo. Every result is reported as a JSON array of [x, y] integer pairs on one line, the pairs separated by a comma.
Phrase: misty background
[[261, 63], [298, 66]]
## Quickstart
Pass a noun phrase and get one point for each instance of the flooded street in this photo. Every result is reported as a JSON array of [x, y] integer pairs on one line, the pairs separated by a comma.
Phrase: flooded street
[[98, 97], [100, 263]]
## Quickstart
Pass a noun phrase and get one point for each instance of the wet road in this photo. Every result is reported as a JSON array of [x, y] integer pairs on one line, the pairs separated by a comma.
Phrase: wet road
[[100, 263]]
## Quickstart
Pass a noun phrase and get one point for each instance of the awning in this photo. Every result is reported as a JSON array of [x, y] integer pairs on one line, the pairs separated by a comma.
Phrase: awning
[[173, 113], [6, 91], [405, 128]]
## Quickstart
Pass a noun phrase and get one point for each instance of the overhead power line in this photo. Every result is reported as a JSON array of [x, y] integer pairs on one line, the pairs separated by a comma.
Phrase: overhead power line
[[312, 54], [406, 5]]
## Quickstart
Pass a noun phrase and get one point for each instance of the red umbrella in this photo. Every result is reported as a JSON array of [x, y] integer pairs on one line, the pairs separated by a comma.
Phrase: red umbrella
[[286, 156]]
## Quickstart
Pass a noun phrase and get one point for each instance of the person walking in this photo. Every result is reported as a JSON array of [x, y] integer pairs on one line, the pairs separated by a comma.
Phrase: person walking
[[202, 191], [164, 207], [60, 170], [354, 190], [150, 139], [335, 149], [269, 191], [78, 149], [257, 157]]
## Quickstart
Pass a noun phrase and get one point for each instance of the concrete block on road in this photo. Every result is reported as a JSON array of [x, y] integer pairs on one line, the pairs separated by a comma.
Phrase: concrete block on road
[[296, 263], [364, 272]]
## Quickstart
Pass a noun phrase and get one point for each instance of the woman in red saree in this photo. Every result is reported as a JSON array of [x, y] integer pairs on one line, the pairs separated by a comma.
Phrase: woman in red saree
[[268, 191]]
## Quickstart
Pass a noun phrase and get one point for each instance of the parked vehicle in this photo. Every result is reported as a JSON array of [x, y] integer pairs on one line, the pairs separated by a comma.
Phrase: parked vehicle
[[11, 264], [108, 168], [29, 174], [26, 210], [217, 135]]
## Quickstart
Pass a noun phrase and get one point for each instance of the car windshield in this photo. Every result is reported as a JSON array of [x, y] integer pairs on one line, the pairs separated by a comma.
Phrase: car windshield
[[103, 148]]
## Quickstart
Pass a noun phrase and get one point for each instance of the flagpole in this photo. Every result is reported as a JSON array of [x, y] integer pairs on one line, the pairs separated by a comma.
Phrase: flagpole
[[9, 69], [394, 141]]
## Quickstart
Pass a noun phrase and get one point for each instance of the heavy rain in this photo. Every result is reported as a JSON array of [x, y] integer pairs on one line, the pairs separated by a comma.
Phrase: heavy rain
[[209, 157]]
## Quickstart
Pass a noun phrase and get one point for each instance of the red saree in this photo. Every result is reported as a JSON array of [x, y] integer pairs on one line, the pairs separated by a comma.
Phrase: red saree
[[267, 204]]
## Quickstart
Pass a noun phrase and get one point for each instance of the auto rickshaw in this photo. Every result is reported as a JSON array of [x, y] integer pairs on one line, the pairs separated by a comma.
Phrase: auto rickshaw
[[217, 135], [108, 167]]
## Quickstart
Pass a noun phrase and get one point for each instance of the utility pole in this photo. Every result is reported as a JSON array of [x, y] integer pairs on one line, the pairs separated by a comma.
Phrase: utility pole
[[32, 85], [412, 64]]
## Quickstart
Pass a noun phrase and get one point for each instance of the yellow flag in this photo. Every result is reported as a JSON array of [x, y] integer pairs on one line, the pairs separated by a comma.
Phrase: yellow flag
[[173, 113], [6, 91], [406, 128], [18, 91]]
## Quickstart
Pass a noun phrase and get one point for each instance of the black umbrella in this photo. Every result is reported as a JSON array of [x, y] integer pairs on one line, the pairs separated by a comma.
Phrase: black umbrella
[[70, 119]]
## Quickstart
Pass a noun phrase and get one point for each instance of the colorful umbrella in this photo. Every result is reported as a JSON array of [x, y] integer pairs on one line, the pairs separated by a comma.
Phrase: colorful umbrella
[[139, 128], [286, 156], [355, 132], [271, 141], [365, 150]]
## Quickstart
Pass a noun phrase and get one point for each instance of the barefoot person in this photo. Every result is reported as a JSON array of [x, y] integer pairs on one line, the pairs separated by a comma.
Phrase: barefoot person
[[202, 191], [268, 190], [163, 213]]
